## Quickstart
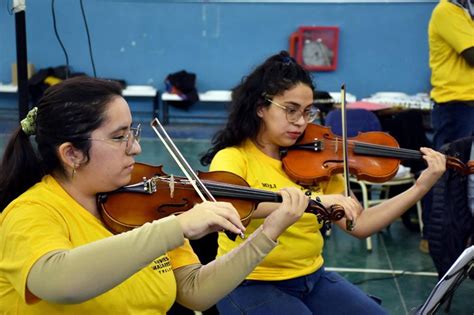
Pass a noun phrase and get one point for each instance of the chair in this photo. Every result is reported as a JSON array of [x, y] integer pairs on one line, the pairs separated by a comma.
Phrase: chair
[[375, 193], [361, 120], [358, 120]]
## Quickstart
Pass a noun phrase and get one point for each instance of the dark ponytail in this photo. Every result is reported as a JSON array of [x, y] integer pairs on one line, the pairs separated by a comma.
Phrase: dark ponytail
[[20, 168]]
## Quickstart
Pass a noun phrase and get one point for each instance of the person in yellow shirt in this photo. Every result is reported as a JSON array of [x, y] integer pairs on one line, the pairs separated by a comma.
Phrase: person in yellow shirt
[[451, 48], [56, 254], [451, 59], [270, 109]]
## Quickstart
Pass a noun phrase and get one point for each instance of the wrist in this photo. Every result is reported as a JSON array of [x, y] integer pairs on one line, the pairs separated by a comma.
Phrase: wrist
[[419, 190], [181, 221], [264, 241], [270, 231]]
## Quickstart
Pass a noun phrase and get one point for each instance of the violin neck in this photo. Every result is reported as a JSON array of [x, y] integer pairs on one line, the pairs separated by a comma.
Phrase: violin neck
[[217, 189], [385, 151], [240, 192]]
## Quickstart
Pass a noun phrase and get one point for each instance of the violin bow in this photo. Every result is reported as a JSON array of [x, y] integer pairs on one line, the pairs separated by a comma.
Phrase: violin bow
[[349, 223], [180, 160], [184, 166]]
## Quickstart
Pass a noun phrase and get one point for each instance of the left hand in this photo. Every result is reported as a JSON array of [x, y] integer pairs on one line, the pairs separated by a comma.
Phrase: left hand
[[436, 168], [352, 208]]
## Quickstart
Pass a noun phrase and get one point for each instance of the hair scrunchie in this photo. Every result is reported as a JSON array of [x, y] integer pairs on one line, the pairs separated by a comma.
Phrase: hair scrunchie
[[28, 124]]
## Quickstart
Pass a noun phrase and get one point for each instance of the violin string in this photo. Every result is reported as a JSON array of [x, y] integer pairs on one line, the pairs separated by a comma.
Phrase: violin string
[[230, 190], [381, 150], [389, 148], [405, 153], [174, 152], [394, 152], [239, 191], [236, 191], [386, 151], [241, 194]]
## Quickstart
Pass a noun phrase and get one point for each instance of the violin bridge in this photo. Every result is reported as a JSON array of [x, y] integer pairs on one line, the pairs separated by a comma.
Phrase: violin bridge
[[171, 186]]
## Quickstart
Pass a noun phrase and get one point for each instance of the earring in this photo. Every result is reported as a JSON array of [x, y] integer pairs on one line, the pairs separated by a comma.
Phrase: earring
[[73, 171]]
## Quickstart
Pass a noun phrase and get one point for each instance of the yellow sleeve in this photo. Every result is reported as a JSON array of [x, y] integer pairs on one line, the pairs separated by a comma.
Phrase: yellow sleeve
[[28, 232], [454, 26], [183, 256], [230, 160]]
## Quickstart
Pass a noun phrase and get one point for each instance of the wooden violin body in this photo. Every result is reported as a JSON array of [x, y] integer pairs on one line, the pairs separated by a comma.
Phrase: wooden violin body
[[152, 195]]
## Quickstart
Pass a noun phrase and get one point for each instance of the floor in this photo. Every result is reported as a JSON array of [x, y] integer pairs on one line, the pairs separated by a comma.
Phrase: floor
[[395, 270]]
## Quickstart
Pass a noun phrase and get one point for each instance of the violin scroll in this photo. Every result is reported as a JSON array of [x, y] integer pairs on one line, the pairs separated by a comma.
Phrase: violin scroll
[[470, 167], [458, 165], [323, 214]]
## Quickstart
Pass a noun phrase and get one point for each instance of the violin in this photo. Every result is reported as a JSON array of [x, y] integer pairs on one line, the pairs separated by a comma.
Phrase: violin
[[152, 195], [373, 156]]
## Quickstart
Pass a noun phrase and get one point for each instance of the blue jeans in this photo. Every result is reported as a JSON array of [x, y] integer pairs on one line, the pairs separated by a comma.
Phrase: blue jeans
[[319, 293], [452, 121]]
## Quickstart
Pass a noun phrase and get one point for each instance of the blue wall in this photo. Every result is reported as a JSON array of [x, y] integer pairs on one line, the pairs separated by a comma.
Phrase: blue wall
[[382, 46]]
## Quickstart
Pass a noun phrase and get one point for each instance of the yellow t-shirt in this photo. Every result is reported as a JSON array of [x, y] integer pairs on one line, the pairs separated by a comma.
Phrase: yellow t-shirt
[[300, 247], [46, 218], [450, 32]]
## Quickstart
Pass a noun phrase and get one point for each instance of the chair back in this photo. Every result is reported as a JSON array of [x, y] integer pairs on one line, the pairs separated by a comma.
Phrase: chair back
[[358, 120]]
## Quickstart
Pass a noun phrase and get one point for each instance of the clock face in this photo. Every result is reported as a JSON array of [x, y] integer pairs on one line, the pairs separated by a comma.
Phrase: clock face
[[315, 53]]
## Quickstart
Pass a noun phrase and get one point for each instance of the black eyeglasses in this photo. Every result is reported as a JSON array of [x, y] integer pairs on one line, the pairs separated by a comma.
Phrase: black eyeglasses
[[130, 138], [293, 114]]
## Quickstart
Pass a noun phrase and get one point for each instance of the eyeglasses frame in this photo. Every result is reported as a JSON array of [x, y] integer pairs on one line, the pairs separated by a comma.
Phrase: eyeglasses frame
[[134, 133], [302, 114]]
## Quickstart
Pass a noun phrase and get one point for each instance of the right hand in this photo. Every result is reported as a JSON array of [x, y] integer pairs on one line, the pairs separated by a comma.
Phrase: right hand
[[290, 210], [208, 217]]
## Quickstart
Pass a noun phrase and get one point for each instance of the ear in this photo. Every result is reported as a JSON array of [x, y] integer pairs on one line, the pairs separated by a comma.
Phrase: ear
[[69, 155], [260, 110]]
